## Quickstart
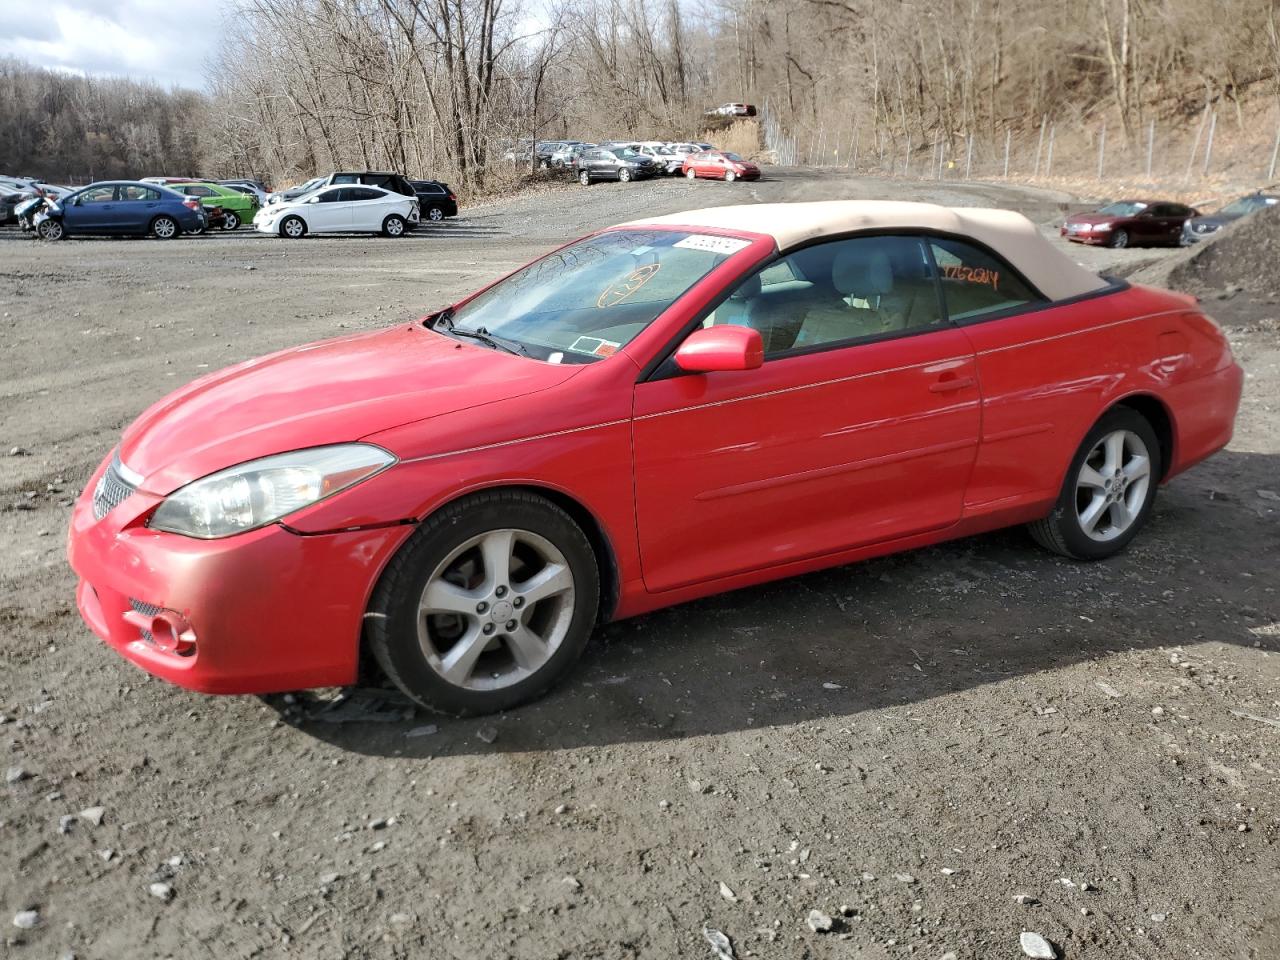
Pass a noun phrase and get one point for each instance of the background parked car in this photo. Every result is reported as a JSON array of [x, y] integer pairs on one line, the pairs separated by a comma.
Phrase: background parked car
[[1197, 228], [719, 165], [435, 200], [619, 164], [252, 187], [734, 110], [349, 208], [122, 207], [1130, 223], [237, 207], [294, 192], [395, 182]]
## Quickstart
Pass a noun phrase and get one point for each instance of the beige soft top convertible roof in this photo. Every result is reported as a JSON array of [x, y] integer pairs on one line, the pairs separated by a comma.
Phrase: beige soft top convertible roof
[[1009, 234]]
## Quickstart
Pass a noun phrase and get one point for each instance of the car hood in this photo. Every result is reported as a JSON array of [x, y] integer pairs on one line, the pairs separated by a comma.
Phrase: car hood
[[333, 391]]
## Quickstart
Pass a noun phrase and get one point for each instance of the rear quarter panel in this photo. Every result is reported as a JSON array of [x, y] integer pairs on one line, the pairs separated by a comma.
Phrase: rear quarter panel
[[1048, 375]]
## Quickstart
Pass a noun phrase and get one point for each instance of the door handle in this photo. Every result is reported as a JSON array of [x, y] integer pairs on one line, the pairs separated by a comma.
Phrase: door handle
[[951, 384]]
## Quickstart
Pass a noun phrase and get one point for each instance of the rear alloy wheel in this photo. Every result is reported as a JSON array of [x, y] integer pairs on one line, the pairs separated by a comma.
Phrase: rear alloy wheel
[[1120, 239], [435, 214], [50, 230], [1109, 489], [690, 174], [624, 175], [230, 220], [487, 604], [393, 226], [164, 228], [584, 178], [293, 228]]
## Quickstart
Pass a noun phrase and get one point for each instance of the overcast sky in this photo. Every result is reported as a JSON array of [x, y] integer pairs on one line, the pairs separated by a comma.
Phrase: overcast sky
[[162, 40]]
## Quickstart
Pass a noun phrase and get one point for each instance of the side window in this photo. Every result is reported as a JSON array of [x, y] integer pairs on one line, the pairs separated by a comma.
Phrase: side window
[[975, 283], [98, 195], [360, 193], [346, 178], [846, 290], [333, 196]]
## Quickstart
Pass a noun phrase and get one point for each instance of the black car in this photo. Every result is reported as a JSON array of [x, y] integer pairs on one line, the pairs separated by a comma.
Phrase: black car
[[388, 181], [618, 164], [1197, 228], [435, 200]]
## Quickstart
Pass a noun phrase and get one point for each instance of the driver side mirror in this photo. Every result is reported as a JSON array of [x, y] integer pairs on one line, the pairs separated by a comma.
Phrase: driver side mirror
[[724, 347], [313, 200]]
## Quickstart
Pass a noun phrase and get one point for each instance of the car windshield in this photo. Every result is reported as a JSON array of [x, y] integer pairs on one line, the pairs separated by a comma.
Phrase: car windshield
[[1238, 208], [1123, 209], [584, 302], [734, 157], [626, 153]]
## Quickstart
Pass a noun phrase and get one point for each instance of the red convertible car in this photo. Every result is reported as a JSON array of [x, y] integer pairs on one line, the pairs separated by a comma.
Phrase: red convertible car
[[1130, 223], [660, 411]]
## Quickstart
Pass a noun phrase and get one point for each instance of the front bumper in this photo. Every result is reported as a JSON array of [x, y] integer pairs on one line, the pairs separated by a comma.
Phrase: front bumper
[[268, 610]]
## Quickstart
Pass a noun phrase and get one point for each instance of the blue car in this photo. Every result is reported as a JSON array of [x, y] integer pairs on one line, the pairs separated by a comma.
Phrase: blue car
[[120, 208]]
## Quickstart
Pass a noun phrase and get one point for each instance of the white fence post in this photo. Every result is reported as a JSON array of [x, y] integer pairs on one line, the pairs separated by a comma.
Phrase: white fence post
[[968, 158], [1102, 150], [1275, 153], [1208, 145], [1048, 163], [1151, 144], [1039, 146], [1008, 137]]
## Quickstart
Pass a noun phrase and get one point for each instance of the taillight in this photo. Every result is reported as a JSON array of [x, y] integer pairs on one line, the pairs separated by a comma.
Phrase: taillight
[[452, 197], [191, 203]]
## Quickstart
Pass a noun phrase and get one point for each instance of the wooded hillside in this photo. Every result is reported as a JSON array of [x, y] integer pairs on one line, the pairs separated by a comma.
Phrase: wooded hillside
[[444, 87]]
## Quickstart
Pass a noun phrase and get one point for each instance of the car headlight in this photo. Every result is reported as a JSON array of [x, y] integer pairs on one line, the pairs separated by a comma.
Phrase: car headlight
[[260, 492], [1102, 226]]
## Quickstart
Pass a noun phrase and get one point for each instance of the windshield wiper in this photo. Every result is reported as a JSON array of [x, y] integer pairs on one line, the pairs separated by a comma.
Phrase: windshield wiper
[[480, 334]]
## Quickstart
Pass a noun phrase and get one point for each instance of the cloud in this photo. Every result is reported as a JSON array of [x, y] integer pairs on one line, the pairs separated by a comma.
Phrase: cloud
[[162, 40]]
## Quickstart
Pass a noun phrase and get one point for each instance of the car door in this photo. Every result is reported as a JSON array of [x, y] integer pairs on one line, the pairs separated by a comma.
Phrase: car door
[[860, 427], [366, 209], [91, 211], [329, 211], [136, 206]]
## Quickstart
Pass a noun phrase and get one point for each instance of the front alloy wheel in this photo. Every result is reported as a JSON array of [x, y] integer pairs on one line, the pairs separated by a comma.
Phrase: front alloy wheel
[[1109, 489], [50, 230], [489, 603], [730, 176], [293, 228], [624, 175], [584, 178], [1120, 239]]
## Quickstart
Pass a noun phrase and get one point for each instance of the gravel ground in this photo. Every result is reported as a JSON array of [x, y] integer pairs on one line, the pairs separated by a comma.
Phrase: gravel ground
[[907, 745]]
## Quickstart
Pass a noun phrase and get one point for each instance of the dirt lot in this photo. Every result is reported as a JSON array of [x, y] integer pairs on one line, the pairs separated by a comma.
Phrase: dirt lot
[[916, 740]]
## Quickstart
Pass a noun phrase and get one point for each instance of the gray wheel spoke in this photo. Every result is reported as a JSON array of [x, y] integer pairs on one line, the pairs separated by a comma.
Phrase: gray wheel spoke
[[552, 579], [441, 596], [527, 648], [1093, 513], [460, 662], [1090, 478], [495, 548], [1114, 446], [1137, 468], [1121, 516]]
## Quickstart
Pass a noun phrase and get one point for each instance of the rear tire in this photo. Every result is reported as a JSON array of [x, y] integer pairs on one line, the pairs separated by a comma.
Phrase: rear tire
[[584, 178], [230, 220], [488, 604], [1108, 491], [164, 228], [690, 174], [435, 214], [393, 226]]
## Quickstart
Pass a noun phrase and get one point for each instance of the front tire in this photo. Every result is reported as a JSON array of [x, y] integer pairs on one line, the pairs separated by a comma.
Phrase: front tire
[[230, 220], [624, 176], [393, 226], [730, 176], [164, 228], [1119, 239], [51, 230], [1108, 491], [487, 605], [293, 228]]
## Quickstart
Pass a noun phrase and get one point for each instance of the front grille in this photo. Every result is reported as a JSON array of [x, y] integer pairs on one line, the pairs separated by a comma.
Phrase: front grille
[[147, 610], [112, 489]]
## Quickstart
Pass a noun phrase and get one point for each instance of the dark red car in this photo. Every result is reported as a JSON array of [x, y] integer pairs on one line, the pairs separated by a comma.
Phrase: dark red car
[[1130, 223]]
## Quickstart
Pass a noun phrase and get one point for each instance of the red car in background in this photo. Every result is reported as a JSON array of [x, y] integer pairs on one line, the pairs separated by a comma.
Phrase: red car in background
[[660, 411], [1130, 223], [719, 165]]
